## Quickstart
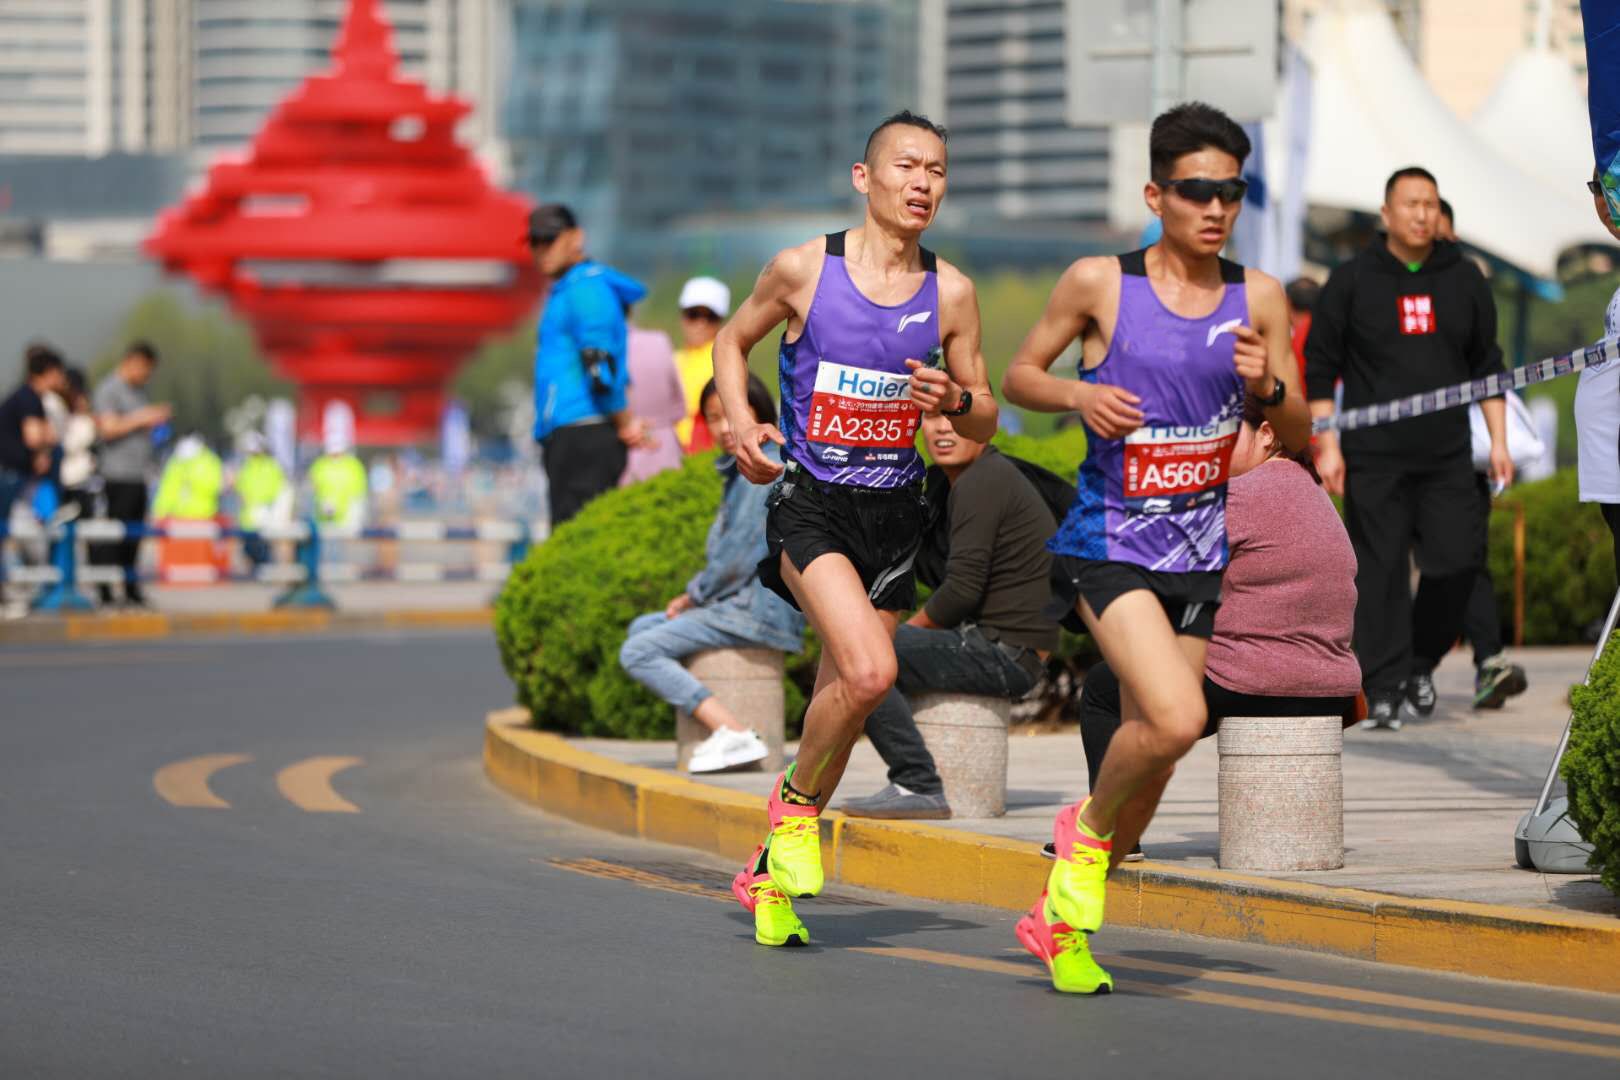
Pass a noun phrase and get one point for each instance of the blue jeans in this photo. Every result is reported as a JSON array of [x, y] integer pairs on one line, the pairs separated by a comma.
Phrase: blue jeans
[[652, 653], [11, 485]]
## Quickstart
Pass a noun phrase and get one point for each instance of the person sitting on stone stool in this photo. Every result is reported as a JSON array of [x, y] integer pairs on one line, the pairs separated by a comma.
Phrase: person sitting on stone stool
[[1281, 645], [982, 631], [724, 605]]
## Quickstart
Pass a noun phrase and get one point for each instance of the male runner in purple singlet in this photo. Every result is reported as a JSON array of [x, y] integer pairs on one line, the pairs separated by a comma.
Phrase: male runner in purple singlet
[[868, 313], [1171, 339]]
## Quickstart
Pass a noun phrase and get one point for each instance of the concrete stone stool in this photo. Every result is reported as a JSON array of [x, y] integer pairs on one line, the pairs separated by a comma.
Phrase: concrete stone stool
[[967, 735], [1282, 793], [749, 683]]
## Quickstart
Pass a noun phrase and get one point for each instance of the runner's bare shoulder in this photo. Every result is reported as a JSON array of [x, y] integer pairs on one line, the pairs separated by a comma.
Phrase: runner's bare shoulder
[[1090, 286], [792, 269], [955, 287], [1267, 300]]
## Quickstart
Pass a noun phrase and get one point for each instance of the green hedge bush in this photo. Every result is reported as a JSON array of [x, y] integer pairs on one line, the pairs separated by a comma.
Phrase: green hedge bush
[[1569, 561], [1591, 765], [561, 615]]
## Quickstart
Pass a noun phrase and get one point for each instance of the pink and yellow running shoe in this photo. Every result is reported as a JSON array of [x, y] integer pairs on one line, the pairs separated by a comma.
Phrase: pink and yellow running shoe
[[1078, 883], [793, 852], [774, 920], [1065, 951]]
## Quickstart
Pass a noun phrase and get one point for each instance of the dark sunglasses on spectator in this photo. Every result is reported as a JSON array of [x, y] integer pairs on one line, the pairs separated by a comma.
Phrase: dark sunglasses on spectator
[[538, 242], [1197, 189], [1595, 187], [702, 313]]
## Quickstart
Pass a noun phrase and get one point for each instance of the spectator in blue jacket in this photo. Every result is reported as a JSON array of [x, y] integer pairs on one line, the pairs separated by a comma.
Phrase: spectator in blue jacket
[[581, 418], [724, 605]]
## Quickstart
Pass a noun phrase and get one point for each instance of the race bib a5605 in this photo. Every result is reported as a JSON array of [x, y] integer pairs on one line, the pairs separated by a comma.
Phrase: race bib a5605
[[1177, 468], [856, 407]]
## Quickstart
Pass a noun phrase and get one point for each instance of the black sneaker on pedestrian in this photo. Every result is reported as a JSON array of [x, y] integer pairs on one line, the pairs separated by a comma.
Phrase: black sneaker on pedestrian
[[1049, 851], [1496, 680], [1420, 692], [136, 599], [1384, 712], [896, 802]]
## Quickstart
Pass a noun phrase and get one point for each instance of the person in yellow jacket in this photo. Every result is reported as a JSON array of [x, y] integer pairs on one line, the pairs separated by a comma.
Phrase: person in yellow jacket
[[263, 496], [192, 481], [337, 480], [705, 303], [189, 491]]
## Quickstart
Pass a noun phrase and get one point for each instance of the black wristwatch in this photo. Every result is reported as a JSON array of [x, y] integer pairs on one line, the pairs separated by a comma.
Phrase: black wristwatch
[[1278, 392], [963, 407]]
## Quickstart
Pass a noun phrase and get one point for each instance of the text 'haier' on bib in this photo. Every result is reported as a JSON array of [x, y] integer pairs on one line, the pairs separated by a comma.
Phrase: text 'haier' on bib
[[855, 406], [1176, 468]]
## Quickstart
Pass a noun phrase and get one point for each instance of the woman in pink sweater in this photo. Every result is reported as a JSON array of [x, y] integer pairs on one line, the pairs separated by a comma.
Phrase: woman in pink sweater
[[1282, 632]]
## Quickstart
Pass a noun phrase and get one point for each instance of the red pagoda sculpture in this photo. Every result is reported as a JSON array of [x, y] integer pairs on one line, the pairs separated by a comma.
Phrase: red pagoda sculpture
[[366, 247]]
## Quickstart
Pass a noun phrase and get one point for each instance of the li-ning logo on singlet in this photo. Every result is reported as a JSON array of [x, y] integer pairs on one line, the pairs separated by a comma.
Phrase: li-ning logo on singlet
[[1217, 331], [913, 317]]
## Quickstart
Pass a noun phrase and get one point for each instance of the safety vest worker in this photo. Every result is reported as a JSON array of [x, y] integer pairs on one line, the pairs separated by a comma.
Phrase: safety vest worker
[[339, 484], [191, 483]]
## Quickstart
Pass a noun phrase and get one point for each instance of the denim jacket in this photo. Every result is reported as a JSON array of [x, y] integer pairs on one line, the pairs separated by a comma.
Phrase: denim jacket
[[728, 586]]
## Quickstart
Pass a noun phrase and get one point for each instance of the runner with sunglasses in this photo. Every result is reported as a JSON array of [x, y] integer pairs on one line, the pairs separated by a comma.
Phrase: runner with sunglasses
[[867, 311], [1172, 337]]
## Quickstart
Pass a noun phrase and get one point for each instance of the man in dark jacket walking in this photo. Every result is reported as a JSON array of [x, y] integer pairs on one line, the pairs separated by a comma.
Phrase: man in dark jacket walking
[[1407, 315]]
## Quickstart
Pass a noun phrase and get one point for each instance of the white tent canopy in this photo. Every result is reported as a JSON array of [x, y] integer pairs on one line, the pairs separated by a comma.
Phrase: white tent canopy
[[1372, 112], [1536, 115]]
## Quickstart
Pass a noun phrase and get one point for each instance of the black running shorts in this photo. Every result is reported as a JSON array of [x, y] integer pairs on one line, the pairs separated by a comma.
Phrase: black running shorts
[[1189, 599], [877, 529]]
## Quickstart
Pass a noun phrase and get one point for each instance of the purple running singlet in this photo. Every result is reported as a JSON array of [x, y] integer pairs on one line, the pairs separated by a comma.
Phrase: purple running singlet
[[1157, 497], [846, 396]]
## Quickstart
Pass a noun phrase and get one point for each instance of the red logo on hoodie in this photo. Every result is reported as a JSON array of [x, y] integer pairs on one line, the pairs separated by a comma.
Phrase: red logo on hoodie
[[1417, 314]]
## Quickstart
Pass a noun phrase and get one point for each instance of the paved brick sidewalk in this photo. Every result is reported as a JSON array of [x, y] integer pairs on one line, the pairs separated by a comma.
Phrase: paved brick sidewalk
[[1429, 811]]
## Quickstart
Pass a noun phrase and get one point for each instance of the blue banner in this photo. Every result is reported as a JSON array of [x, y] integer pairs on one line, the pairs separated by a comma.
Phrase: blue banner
[[1602, 20]]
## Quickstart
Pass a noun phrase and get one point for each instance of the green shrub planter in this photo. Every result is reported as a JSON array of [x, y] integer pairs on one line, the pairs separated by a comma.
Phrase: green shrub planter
[[1569, 561], [1591, 765]]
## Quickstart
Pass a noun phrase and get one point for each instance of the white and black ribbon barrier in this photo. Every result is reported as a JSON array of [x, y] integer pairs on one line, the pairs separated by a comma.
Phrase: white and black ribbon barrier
[[1452, 397]]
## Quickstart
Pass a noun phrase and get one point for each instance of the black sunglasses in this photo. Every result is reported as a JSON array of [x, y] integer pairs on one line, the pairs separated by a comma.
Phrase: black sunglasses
[[1197, 189], [1595, 187]]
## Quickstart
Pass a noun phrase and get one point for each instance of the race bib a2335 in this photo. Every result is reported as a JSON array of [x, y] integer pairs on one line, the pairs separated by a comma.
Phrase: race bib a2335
[[1167, 469], [855, 406]]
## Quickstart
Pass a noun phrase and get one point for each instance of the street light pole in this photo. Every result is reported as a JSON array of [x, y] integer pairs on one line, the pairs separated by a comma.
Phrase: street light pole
[[1168, 17]]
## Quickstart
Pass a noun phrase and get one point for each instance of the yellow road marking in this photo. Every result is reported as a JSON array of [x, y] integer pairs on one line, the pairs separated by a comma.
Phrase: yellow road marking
[[185, 783], [1282, 1008], [1367, 997], [645, 878], [308, 785]]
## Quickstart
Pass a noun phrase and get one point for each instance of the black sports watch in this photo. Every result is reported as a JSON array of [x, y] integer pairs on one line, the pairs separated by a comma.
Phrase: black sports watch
[[1278, 392], [963, 407]]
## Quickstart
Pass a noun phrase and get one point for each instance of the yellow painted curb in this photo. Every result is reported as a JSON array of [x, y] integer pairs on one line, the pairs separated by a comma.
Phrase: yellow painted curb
[[152, 625], [1571, 951]]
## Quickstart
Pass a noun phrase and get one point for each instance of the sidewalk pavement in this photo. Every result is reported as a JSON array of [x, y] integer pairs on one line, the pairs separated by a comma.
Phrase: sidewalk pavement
[[1429, 811]]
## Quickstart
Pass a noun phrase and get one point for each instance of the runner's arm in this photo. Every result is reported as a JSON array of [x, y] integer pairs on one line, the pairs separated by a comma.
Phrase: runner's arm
[[1108, 410], [766, 307], [1290, 419], [961, 335]]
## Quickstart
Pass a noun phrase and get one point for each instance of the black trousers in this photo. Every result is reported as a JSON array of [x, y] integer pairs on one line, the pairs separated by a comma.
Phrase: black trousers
[[1101, 713], [126, 502], [1611, 515], [1482, 622], [1394, 510], [581, 462], [960, 661]]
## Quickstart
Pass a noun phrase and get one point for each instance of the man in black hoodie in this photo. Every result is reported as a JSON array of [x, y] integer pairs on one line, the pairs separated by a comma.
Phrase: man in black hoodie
[[1407, 315]]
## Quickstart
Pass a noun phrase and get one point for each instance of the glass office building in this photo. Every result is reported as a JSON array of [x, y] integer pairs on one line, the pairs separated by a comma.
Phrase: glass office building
[[642, 112]]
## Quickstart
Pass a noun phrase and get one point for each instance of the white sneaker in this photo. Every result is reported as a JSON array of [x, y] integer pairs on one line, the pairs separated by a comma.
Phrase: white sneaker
[[727, 748]]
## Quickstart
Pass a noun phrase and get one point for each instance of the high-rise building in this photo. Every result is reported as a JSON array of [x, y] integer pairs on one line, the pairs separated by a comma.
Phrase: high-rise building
[[641, 112], [1014, 156], [91, 77], [250, 54]]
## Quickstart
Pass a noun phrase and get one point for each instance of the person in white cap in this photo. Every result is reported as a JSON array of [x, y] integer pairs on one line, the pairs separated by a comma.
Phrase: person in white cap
[[705, 303]]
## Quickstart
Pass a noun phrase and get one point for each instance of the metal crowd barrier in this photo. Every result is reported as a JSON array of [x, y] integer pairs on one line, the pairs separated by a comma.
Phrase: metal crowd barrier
[[59, 581]]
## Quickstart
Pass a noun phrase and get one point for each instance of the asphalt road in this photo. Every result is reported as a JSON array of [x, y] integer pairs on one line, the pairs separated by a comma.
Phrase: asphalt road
[[281, 858]]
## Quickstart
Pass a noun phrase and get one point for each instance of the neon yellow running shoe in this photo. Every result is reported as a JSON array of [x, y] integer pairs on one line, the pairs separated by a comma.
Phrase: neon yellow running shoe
[[774, 921], [1078, 883], [793, 852], [1065, 951]]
